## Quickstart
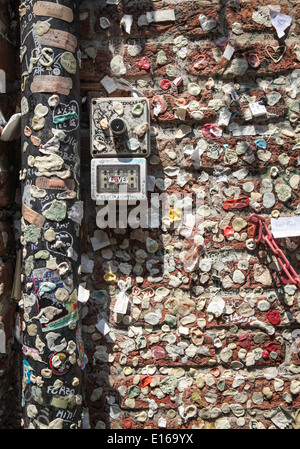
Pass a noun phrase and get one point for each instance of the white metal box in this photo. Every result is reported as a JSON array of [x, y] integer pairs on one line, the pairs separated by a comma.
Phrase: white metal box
[[118, 179]]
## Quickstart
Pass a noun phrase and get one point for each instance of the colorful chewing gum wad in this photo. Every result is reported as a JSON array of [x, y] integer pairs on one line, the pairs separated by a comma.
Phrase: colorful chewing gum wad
[[175, 214], [212, 131], [144, 64], [253, 60], [200, 63], [165, 84], [238, 203], [228, 231], [110, 278]]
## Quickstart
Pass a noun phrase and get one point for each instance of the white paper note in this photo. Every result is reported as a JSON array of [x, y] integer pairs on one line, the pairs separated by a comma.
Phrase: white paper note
[[83, 294], [121, 304], [257, 109], [108, 84], [122, 297], [2, 82], [285, 227], [126, 21], [2, 342], [280, 22], [228, 53], [162, 15], [103, 326], [99, 240], [150, 183]]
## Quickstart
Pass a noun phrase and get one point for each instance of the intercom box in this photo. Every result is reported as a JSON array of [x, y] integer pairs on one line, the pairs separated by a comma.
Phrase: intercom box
[[120, 127], [118, 179]]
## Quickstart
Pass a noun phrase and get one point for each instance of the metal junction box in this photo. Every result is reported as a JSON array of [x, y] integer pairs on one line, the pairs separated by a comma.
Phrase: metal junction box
[[120, 127], [118, 179]]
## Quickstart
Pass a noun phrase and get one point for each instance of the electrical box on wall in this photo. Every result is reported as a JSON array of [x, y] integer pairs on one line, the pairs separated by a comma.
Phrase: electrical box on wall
[[120, 143], [120, 127], [118, 179]]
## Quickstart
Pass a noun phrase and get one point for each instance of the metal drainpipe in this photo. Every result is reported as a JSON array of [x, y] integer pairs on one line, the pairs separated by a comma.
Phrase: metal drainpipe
[[51, 214]]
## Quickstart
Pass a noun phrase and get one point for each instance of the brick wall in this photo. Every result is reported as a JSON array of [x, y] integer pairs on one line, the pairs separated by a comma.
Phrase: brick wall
[[193, 368]]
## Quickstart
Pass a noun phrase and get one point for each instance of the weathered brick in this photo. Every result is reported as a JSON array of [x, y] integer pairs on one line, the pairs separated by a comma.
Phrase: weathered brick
[[259, 348]]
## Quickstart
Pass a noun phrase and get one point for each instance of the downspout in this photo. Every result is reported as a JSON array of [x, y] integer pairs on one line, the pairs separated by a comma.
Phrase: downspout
[[51, 214]]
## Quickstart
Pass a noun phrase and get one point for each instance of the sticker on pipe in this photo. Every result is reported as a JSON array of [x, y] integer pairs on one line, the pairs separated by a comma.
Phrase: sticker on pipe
[[49, 9]]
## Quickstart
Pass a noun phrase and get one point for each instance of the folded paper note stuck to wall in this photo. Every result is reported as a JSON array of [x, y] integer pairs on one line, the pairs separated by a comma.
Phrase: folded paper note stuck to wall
[[100, 240], [2, 82], [2, 342], [126, 21], [109, 84], [83, 294], [280, 22], [285, 227], [103, 326], [122, 297], [228, 53], [162, 15]]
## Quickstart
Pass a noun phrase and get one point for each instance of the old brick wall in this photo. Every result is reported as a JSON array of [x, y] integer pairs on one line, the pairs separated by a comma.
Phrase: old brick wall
[[214, 347]]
